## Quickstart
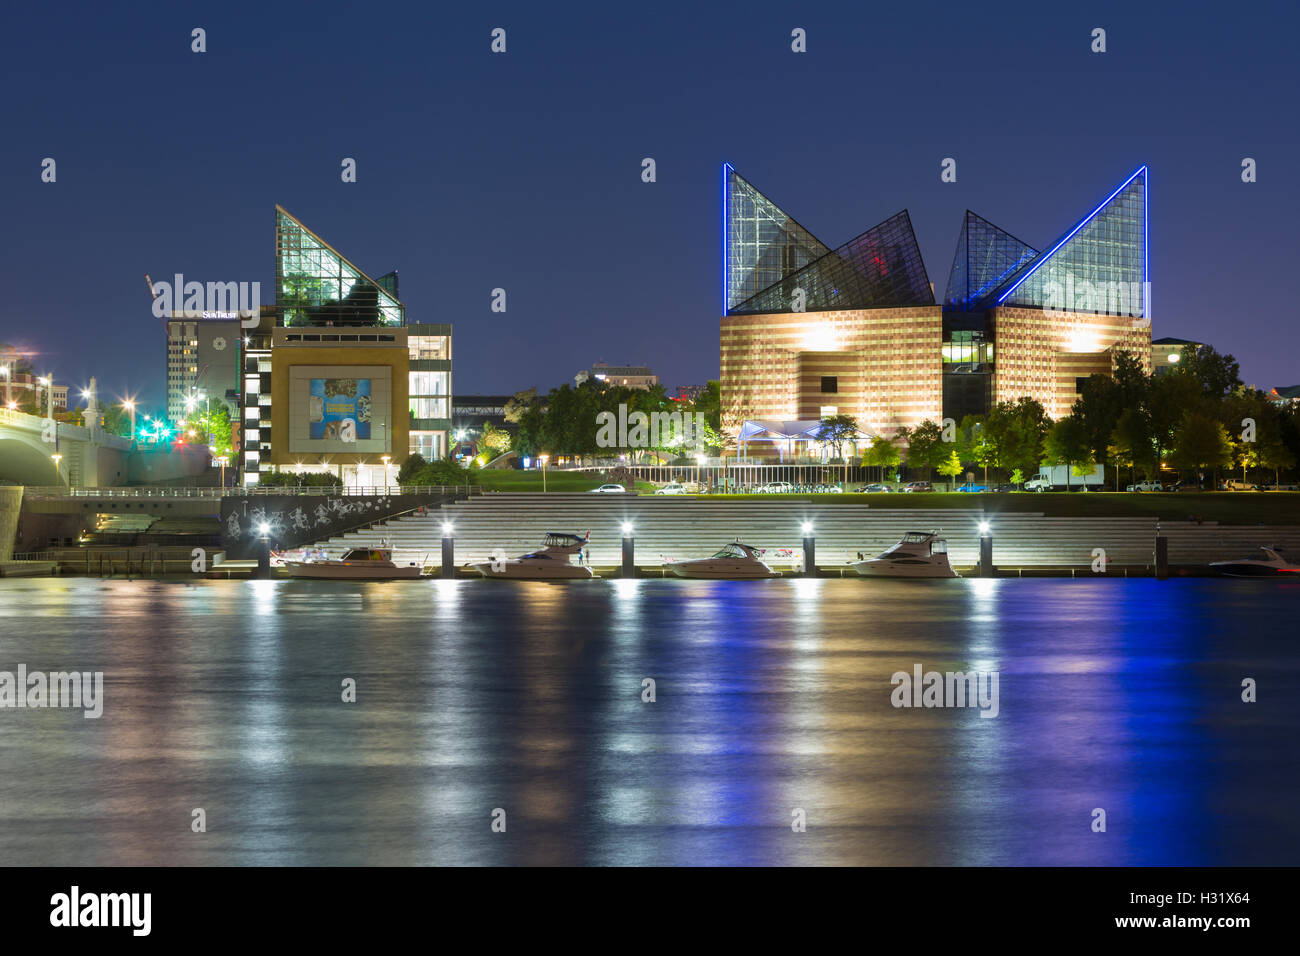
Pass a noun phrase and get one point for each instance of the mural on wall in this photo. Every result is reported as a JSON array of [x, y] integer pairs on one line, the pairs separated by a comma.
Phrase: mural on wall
[[294, 520], [339, 409]]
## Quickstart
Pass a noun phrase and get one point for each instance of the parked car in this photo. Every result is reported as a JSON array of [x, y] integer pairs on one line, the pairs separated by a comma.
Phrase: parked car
[[828, 490], [1282, 487], [974, 488], [1003, 488], [918, 486], [1145, 486], [775, 488], [1187, 486], [1233, 484], [609, 490], [673, 488], [874, 489]]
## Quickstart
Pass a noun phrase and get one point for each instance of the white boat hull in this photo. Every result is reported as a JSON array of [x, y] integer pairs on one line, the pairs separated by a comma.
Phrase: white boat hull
[[514, 570], [884, 568], [721, 570]]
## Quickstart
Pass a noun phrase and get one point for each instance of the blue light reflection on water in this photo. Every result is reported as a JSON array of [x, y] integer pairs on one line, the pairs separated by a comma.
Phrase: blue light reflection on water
[[1123, 695]]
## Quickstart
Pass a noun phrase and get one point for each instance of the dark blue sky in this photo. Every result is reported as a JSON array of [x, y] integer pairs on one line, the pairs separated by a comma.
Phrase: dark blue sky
[[522, 170]]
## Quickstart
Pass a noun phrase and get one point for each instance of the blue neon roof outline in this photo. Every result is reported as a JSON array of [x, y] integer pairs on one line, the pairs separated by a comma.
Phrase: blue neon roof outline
[[1087, 219], [726, 291]]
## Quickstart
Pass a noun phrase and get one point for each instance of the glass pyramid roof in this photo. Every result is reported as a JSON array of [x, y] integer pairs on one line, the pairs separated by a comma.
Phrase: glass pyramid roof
[[316, 285], [1105, 255], [762, 244], [881, 268], [986, 256]]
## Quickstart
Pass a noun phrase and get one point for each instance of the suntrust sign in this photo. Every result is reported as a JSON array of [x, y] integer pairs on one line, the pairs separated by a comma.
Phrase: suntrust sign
[[212, 300]]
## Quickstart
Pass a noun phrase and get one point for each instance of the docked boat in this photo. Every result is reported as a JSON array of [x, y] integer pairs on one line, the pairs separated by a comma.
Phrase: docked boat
[[735, 561], [551, 562], [356, 564], [918, 554], [1272, 564]]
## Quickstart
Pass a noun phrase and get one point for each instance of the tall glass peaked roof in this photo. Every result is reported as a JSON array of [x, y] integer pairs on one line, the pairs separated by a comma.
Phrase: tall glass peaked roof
[[761, 243], [882, 268], [316, 285], [1104, 255], [986, 256]]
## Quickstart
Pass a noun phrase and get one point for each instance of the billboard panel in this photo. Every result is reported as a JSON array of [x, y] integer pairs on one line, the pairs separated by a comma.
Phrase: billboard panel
[[339, 409]]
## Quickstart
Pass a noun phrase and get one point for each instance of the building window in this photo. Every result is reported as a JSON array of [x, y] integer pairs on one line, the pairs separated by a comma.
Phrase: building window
[[830, 383]]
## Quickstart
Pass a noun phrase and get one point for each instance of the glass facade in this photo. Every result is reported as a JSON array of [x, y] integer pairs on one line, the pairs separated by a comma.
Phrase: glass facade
[[882, 268], [763, 244], [317, 286], [1098, 266], [986, 256]]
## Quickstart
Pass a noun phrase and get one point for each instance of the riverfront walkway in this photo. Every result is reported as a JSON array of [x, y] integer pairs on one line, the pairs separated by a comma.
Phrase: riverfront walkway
[[684, 527]]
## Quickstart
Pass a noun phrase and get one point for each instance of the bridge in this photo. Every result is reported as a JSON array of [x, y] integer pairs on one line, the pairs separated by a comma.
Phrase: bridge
[[88, 456]]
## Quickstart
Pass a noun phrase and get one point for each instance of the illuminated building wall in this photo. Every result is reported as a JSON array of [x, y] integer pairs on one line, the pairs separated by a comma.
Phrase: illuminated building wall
[[883, 365], [1043, 356]]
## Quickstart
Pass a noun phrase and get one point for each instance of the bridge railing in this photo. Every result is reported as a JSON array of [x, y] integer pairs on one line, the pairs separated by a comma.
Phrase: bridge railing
[[162, 491]]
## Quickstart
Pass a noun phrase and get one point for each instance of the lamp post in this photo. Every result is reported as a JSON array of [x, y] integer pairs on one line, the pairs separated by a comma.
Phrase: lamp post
[[56, 457], [129, 405], [8, 374], [222, 462], [699, 466], [544, 460], [386, 459]]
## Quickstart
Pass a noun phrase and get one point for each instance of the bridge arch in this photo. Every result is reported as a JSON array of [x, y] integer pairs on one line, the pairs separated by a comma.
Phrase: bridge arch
[[25, 460]]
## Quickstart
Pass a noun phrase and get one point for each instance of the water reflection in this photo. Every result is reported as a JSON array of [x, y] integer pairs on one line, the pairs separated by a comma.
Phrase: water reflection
[[770, 696]]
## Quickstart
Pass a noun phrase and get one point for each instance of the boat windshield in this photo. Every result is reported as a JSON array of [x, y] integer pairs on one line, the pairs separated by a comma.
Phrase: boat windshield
[[556, 539], [732, 551], [938, 546], [365, 554]]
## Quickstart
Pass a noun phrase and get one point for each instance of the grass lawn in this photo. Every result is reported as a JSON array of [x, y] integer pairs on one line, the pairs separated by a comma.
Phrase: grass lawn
[[511, 479], [1225, 507]]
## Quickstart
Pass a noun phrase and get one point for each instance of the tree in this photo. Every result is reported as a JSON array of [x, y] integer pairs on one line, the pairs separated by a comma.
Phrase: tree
[[1216, 375], [1016, 430], [883, 453], [951, 466], [1130, 440], [442, 472], [925, 447], [1067, 443], [835, 430], [1200, 442], [709, 404], [409, 468], [1273, 453], [495, 440], [1017, 477]]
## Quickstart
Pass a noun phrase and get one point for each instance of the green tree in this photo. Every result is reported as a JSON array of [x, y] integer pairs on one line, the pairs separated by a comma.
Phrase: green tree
[[709, 404], [1200, 442], [925, 447], [837, 430], [1017, 477], [1068, 443], [883, 454], [1130, 440], [1016, 430], [1274, 453], [410, 467], [951, 466]]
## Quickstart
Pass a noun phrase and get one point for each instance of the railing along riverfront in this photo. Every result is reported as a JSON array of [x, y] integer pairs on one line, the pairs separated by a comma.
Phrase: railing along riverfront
[[158, 491]]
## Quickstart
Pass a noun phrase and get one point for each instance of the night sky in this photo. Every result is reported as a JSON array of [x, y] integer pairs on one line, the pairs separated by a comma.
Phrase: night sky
[[523, 170]]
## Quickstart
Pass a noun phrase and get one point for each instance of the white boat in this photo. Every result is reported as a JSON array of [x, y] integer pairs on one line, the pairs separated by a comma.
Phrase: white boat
[[1272, 564], [735, 561], [357, 564], [549, 563], [918, 554]]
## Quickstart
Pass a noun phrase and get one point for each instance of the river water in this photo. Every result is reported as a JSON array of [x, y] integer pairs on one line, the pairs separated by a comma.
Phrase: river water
[[523, 702]]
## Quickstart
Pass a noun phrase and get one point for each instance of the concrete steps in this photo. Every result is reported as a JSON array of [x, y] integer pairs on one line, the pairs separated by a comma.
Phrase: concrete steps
[[686, 527]]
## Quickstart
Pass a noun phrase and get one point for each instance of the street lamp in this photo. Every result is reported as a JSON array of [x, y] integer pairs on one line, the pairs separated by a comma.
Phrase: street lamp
[[57, 458], [544, 459], [129, 405], [5, 371], [385, 459], [699, 465]]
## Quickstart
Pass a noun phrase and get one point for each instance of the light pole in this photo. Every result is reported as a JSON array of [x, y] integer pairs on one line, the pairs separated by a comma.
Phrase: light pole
[[545, 459], [386, 459], [699, 465], [222, 461], [129, 405], [56, 457], [8, 374]]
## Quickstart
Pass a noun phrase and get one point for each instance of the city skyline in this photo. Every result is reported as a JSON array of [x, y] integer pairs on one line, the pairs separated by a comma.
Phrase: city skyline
[[512, 187]]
